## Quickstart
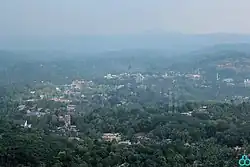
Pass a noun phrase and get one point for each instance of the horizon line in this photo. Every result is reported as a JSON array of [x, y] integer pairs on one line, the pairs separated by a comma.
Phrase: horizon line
[[122, 34]]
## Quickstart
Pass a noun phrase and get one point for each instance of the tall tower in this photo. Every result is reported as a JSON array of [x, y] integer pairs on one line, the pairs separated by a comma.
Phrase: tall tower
[[175, 106], [218, 85], [170, 101], [174, 96], [67, 120], [217, 77]]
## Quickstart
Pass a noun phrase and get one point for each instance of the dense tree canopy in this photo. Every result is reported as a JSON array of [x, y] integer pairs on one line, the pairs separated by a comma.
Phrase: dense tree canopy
[[206, 138]]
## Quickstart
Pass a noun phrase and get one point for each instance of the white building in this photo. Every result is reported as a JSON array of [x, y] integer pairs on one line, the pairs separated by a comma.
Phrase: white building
[[26, 125], [139, 78], [228, 80], [67, 120], [111, 136]]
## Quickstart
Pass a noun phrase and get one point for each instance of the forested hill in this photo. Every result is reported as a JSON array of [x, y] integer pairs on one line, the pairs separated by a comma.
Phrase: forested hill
[[215, 136], [212, 56], [62, 67]]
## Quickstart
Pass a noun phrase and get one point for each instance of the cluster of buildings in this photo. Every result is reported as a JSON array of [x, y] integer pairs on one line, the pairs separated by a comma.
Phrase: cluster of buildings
[[225, 65], [193, 76], [76, 89], [32, 111], [202, 109], [68, 127], [109, 137], [71, 108], [139, 77]]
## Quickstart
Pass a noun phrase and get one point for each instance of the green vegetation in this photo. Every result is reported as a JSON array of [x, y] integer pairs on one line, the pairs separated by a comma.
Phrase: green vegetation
[[207, 137], [164, 115]]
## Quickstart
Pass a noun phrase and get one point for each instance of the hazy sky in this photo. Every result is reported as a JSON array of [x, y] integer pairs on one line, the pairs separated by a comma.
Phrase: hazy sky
[[80, 17]]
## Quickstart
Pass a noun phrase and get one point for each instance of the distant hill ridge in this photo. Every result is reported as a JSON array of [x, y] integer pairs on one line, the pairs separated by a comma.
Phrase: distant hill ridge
[[212, 55], [174, 42]]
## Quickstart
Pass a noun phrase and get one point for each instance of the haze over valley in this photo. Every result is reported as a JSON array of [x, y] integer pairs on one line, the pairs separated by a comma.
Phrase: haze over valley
[[124, 83]]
